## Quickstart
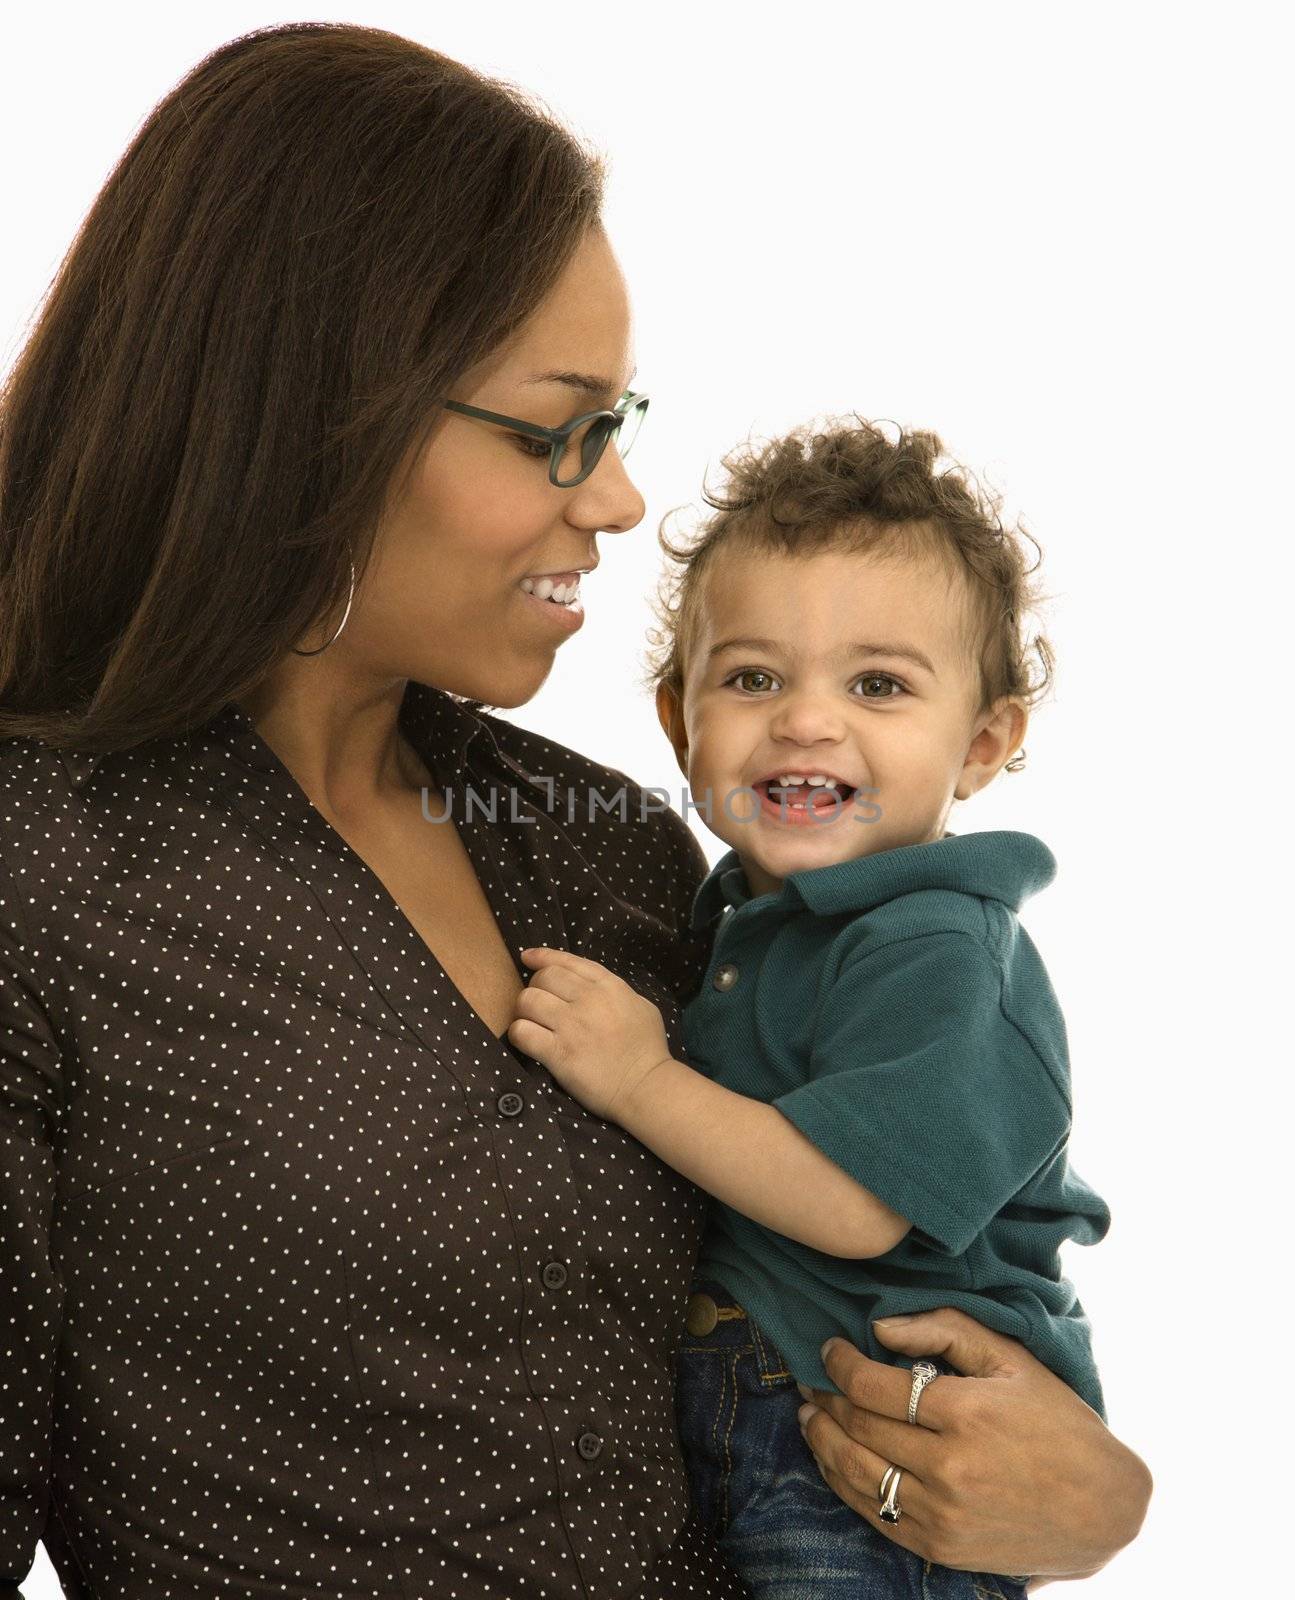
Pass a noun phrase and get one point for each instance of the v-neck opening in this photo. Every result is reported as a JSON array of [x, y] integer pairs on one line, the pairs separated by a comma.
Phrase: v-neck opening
[[260, 755], [411, 935]]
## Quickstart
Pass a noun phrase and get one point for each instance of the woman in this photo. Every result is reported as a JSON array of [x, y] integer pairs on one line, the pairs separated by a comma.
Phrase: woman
[[313, 1283]]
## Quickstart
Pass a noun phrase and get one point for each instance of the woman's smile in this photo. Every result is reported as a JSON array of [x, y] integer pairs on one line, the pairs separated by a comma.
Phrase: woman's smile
[[566, 611]]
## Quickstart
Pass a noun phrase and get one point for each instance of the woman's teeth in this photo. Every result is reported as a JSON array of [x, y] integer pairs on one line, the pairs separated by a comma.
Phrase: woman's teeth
[[545, 589]]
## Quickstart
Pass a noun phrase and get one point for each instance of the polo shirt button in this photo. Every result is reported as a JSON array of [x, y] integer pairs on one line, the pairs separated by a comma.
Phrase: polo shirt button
[[725, 976], [509, 1104], [554, 1274], [589, 1445]]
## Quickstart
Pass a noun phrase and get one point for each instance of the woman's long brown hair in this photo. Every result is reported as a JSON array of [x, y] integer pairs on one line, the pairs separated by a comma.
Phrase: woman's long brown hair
[[310, 238]]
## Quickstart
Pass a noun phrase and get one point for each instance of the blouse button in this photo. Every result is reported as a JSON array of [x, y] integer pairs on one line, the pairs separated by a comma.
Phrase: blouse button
[[725, 976], [509, 1104], [589, 1445], [554, 1274]]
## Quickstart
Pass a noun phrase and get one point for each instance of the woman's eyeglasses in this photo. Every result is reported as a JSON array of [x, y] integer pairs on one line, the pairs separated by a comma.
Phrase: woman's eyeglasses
[[586, 435]]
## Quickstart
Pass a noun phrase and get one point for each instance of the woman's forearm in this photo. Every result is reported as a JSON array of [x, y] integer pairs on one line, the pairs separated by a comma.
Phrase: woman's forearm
[[750, 1156]]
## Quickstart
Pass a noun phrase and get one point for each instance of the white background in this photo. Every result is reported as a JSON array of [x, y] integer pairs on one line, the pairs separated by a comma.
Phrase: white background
[[1056, 235]]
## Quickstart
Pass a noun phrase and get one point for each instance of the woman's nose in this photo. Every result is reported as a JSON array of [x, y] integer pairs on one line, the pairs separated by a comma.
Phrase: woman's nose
[[607, 499]]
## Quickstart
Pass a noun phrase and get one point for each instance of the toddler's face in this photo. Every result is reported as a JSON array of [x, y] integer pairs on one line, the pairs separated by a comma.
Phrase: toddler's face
[[855, 667]]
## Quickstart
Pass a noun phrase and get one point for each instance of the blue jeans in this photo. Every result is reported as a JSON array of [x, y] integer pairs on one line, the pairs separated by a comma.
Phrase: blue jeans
[[756, 1485]]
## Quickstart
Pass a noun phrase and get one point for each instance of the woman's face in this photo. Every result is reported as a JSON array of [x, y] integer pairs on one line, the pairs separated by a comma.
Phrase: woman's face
[[442, 601]]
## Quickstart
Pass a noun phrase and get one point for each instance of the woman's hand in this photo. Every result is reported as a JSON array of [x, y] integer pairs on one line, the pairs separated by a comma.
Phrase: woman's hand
[[598, 1037], [1007, 1470]]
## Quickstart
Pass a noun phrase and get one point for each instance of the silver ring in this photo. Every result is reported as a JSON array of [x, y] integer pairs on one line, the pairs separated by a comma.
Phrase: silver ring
[[923, 1372], [890, 1511]]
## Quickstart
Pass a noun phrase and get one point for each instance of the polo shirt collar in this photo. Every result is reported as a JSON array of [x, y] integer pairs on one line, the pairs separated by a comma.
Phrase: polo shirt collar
[[1002, 864], [436, 721], [725, 884]]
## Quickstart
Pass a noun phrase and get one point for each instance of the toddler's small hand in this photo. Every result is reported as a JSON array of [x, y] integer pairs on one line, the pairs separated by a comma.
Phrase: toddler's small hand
[[599, 1038]]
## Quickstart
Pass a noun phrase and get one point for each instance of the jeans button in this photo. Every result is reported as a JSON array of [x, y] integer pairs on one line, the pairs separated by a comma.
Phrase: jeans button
[[703, 1314]]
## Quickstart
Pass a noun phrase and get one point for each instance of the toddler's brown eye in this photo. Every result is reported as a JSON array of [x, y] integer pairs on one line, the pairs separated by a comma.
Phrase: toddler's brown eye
[[883, 678], [749, 672]]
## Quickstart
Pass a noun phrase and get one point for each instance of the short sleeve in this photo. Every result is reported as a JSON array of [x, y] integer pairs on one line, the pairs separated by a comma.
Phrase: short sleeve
[[31, 1292], [924, 1091]]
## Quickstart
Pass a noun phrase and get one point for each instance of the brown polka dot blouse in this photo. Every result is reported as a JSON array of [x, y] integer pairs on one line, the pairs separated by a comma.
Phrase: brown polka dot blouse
[[309, 1284]]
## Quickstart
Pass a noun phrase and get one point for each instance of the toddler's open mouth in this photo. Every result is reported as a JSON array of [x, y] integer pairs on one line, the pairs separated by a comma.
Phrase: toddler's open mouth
[[816, 793]]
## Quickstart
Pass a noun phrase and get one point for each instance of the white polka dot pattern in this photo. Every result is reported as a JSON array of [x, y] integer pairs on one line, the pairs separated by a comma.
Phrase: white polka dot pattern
[[309, 1284]]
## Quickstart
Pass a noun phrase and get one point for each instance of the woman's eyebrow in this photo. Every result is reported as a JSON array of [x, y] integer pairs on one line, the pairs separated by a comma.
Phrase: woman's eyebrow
[[583, 382]]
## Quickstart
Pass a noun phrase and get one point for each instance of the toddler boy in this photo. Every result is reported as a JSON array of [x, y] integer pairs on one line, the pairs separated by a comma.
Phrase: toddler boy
[[878, 1094]]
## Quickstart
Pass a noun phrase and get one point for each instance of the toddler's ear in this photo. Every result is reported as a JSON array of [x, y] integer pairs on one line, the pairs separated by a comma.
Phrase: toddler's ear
[[1000, 734], [669, 712]]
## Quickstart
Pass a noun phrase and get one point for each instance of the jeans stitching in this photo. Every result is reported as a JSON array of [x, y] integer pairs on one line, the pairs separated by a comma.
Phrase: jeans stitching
[[727, 1463], [729, 1373], [763, 1359], [765, 1483], [731, 1370], [715, 1420]]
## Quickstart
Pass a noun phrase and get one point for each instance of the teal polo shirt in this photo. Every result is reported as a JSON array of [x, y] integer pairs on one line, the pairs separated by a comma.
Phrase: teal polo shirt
[[893, 1008]]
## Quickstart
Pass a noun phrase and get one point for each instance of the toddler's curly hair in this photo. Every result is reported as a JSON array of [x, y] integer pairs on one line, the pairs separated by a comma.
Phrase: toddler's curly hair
[[848, 484]]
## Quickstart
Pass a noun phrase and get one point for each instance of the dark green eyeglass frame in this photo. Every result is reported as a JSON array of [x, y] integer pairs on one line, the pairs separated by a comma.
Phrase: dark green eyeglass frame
[[602, 426]]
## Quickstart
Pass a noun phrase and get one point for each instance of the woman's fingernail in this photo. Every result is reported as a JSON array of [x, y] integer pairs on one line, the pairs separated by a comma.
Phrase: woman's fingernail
[[805, 1413], [827, 1345], [804, 1389], [890, 1322]]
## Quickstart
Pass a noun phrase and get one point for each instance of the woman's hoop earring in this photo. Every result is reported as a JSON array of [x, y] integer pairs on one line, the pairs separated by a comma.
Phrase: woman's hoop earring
[[341, 624]]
